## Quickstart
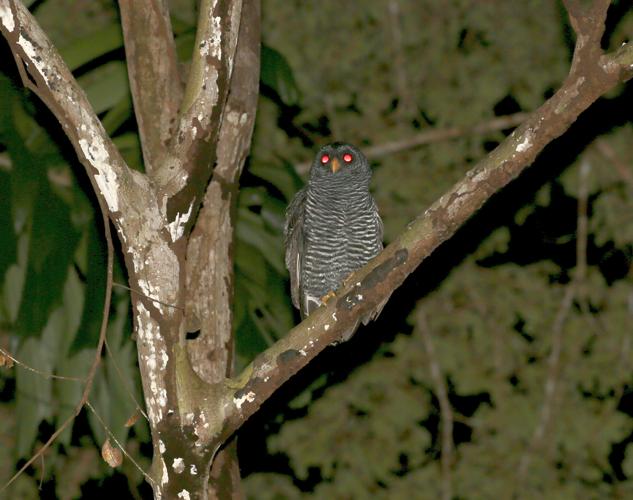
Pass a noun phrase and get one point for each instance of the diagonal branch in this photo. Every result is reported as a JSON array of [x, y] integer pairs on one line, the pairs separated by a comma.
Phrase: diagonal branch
[[152, 65], [374, 283], [433, 135]]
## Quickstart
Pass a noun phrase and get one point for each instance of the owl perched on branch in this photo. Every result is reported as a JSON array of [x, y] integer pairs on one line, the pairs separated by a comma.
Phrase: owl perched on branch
[[332, 226]]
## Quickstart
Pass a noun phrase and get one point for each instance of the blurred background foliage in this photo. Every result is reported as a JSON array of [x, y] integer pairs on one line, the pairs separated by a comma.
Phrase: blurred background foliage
[[520, 325]]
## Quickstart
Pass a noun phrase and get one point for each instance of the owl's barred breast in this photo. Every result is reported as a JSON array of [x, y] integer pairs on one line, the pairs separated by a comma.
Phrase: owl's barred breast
[[340, 237]]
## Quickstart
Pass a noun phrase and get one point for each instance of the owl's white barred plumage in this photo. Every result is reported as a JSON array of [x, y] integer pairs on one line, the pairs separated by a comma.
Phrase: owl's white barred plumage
[[332, 225]]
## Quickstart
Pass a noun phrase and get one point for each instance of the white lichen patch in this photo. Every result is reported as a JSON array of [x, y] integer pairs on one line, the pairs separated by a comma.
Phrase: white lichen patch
[[6, 17], [334, 316], [158, 268], [177, 226], [162, 397], [215, 40], [265, 369], [466, 187], [326, 327], [250, 397], [233, 117], [193, 470], [481, 176], [164, 358], [34, 57], [97, 155], [526, 143], [149, 343], [570, 94], [184, 494], [165, 479], [161, 446], [359, 297], [178, 465]]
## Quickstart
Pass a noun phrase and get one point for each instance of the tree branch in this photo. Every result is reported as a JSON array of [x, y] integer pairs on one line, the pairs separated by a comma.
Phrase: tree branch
[[594, 75], [209, 295], [209, 252], [447, 447], [433, 135], [185, 172], [150, 53]]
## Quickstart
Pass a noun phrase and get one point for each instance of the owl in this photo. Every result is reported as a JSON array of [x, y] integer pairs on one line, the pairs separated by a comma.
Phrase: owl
[[332, 226]]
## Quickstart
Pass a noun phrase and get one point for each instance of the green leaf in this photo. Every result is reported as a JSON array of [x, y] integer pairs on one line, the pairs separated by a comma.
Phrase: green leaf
[[283, 177], [33, 394], [185, 44], [13, 284], [8, 240], [68, 392], [101, 402], [91, 47], [106, 85], [27, 178], [75, 295], [117, 115], [130, 147], [51, 248], [249, 341], [277, 74], [250, 229], [118, 377], [96, 261]]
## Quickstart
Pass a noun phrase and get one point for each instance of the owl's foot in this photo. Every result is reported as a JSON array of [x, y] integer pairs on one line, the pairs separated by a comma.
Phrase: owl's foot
[[327, 297]]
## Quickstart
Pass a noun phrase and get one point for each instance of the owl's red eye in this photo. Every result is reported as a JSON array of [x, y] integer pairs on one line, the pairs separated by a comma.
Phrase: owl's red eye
[[347, 157], [325, 159]]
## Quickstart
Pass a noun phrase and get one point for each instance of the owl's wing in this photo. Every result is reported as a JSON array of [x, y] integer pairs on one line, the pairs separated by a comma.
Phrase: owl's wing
[[294, 242], [378, 222], [372, 315]]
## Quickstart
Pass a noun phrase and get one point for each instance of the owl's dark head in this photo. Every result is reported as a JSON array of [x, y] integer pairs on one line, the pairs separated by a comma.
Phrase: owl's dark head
[[340, 162]]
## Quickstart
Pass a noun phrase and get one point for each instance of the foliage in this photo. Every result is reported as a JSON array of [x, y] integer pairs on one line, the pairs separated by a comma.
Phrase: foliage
[[364, 419]]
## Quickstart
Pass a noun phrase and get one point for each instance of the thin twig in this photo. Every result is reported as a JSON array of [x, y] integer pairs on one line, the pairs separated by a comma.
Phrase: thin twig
[[124, 381], [93, 369], [446, 412], [111, 434], [434, 135], [405, 101], [610, 154], [39, 372], [572, 291]]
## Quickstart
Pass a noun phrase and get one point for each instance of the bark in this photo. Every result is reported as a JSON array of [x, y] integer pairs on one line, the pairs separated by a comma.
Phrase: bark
[[156, 88]]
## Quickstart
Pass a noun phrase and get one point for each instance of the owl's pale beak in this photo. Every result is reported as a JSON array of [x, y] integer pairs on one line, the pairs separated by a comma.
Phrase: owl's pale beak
[[335, 165]]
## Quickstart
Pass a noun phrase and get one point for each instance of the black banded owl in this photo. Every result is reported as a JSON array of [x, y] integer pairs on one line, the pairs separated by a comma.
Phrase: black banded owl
[[332, 226]]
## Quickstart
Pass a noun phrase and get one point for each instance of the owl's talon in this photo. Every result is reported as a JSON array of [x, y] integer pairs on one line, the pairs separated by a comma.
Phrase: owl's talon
[[327, 297]]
